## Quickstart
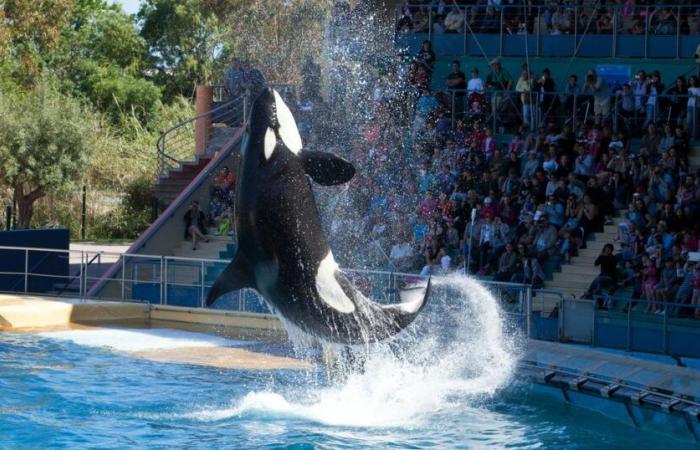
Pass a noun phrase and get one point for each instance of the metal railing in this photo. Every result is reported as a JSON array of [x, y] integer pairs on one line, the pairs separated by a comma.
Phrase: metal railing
[[177, 144], [521, 22], [622, 323], [503, 110]]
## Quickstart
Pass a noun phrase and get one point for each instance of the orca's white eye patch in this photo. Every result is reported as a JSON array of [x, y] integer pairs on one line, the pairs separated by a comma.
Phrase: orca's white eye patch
[[288, 131], [270, 143]]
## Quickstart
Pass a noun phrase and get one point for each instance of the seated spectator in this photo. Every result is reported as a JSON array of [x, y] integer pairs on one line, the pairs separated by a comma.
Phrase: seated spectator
[[195, 224], [544, 241], [528, 271], [401, 255], [506, 264], [607, 278], [223, 183], [666, 287], [454, 21]]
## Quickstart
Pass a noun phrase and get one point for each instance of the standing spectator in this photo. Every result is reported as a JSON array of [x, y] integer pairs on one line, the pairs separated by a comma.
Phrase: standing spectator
[[524, 88], [598, 87], [476, 84], [654, 89], [693, 94], [570, 92], [547, 95], [426, 58], [499, 80], [678, 101], [639, 90], [405, 22], [456, 80]]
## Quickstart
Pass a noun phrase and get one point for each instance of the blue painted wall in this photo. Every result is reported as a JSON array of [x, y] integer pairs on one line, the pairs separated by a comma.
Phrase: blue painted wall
[[44, 266], [588, 46]]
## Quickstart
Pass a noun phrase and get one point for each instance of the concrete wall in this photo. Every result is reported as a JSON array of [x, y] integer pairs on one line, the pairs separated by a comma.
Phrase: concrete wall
[[168, 231]]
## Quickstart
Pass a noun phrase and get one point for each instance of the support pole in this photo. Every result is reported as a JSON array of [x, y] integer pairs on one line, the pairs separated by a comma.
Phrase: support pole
[[83, 216]]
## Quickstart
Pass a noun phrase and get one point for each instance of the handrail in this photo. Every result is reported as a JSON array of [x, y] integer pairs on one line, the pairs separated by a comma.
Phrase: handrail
[[150, 231], [68, 283], [227, 110], [41, 261], [619, 25]]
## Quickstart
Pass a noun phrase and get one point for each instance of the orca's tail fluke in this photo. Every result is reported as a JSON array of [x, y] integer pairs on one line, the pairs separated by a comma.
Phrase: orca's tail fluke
[[413, 300], [237, 275]]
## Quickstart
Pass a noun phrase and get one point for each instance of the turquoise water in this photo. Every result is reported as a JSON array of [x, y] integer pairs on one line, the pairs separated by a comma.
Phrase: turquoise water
[[447, 382], [59, 394]]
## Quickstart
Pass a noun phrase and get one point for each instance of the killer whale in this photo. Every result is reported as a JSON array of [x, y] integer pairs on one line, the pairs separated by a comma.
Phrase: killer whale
[[282, 250]]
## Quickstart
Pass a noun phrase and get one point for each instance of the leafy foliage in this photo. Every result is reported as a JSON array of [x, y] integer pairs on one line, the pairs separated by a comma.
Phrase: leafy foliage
[[43, 148], [85, 90]]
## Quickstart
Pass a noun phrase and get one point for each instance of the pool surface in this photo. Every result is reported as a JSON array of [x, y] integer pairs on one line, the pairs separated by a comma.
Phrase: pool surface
[[78, 390]]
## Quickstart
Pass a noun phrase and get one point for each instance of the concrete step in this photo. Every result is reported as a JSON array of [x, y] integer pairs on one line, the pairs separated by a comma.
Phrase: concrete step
[[578, 269], [569, 284]]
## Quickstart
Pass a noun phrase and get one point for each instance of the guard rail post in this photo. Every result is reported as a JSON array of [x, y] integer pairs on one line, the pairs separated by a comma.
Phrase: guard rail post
[[201, 278], [678, 33], [26, 270]]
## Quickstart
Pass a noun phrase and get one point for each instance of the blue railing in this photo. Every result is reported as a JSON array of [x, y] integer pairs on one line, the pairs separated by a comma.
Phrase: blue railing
[[655, 31], [666, 328]]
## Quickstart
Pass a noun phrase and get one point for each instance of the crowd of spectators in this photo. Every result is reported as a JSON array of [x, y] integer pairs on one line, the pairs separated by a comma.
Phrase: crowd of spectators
[[217, 219], [534, 100], [560, 17], [535, 197]]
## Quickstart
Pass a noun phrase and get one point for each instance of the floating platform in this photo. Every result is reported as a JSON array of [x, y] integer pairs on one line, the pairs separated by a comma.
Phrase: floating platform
[[25, 313], [645, 393]]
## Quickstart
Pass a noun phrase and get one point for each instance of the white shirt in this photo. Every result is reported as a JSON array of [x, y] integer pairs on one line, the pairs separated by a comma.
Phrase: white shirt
[[475, 85], [651, 100], [693, 92], [401, 251]]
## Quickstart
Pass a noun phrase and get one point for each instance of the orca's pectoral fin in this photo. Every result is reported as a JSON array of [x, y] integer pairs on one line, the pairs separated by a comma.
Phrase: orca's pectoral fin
[[327, 169], [237, 275]]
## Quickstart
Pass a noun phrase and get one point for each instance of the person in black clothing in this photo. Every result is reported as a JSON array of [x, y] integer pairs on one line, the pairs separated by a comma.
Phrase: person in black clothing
[[548, 97], [195, 224], [677, 101], [426, 58], [608, 273], [457, 80]]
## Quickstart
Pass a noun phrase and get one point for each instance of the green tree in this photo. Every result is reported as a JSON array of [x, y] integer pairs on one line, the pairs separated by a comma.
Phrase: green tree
[[45, 143], [32, 29], [185, 43], [275, 36]]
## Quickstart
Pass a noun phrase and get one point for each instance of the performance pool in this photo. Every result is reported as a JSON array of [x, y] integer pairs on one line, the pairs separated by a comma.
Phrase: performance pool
[[87, 389]]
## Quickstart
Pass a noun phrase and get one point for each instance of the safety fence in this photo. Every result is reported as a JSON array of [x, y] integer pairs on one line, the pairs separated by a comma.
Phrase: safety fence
[[625, 324], [589, 30], [506, 111]]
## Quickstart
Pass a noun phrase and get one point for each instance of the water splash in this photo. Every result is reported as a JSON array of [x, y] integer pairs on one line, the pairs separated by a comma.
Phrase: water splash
[[454, 356]]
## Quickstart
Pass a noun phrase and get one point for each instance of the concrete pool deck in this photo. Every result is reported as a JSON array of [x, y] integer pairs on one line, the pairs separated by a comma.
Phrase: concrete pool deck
[[36, 314]]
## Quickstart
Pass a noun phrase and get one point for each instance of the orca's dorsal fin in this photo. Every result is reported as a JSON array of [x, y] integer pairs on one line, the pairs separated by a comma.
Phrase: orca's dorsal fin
[[325, 168], [236, 276]]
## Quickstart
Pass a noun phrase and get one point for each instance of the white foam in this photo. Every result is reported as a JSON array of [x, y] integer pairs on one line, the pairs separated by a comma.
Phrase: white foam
[[451, 359], [135, 340]]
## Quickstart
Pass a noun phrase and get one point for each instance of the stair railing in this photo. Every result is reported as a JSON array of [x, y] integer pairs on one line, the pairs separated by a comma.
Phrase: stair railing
[[177, 144]]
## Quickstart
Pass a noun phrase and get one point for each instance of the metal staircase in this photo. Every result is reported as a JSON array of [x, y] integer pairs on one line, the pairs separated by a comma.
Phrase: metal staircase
[[178, 159]]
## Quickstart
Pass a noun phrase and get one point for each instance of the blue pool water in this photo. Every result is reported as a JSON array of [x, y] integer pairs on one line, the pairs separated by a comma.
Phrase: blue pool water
[[440, 390], [67, 395]]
